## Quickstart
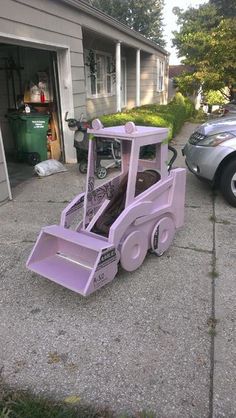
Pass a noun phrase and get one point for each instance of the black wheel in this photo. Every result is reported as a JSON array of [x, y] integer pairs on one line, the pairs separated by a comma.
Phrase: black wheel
[[33, 158], [101, 172], [228, 183], [83, 166]]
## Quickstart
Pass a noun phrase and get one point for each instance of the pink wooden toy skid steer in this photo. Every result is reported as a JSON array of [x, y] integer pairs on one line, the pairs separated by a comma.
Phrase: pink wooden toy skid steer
[[138, 210]]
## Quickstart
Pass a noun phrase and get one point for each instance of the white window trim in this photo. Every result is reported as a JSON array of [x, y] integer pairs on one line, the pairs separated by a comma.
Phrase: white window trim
[[88, 84], [160, 66]]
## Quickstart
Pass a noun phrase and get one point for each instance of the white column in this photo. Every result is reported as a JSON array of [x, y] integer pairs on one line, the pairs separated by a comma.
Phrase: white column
[[138, 77], [118, 76]]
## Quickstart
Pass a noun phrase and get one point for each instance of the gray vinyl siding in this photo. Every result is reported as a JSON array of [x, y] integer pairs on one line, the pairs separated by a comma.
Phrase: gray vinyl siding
[[148, 79], [54, 22], [48, 22], [149, 93], [54, 25], [131, 77], [148, 82], [32, 12], [101, 106], [77, 60]]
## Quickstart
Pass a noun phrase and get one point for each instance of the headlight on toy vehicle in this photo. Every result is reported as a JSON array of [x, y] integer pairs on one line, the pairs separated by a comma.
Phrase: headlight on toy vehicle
[[214, 140]]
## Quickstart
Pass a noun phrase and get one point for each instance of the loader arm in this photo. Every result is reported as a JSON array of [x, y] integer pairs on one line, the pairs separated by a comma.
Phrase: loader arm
[[98, 197], [71, 210]]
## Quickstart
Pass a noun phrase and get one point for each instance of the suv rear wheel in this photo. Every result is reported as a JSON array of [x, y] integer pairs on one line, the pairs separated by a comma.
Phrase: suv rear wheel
[[228, 183]]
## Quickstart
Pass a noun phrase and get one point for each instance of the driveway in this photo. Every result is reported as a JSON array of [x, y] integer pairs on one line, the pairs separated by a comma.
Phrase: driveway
[[160, 339]]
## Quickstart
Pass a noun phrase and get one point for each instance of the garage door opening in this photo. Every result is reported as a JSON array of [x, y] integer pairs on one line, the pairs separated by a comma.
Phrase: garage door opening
[[30, 114]]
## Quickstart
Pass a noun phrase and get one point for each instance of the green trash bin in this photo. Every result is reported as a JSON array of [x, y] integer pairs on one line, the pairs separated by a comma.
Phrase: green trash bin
[[30, 136]]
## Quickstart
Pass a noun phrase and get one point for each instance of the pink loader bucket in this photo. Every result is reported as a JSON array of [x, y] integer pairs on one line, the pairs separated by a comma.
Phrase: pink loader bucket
[[76, 260]]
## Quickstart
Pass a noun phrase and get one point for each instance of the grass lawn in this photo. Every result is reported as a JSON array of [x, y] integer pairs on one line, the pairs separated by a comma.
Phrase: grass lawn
[[22, 404]]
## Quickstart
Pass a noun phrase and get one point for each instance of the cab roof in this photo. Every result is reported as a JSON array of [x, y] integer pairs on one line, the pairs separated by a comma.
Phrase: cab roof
[[120, 132]]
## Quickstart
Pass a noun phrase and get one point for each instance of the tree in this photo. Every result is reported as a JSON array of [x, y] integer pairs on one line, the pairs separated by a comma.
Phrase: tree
[[227, 8], [144, 16], [207, 43], [116, 9]]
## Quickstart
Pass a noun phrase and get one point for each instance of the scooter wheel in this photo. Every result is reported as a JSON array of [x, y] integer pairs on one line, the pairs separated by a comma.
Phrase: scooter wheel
[[101, 172], [33, 158], [83, 166]]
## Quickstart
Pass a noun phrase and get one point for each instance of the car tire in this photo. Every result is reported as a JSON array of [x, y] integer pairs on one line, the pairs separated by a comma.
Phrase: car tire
[[228, 183]]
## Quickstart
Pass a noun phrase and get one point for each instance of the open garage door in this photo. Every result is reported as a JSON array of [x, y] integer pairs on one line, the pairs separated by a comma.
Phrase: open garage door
[[29, 81]]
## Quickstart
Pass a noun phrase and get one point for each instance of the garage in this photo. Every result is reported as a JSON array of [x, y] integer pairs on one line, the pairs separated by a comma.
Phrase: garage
[[30, 115], [41, 61], [44, 75]]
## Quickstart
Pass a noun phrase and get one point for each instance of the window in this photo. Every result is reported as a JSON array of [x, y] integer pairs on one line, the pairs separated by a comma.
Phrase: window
[[98, 74], [160, 75]]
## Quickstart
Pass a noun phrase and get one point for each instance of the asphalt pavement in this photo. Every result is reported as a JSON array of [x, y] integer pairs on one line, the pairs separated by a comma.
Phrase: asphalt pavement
[[159, 339]]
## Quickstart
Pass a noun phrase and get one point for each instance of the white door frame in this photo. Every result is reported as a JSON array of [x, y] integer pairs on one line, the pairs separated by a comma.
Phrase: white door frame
[[5, 170]]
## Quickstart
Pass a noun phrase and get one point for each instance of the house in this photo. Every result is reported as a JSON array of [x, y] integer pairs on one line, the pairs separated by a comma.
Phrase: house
[[61, 56], [175, 71]]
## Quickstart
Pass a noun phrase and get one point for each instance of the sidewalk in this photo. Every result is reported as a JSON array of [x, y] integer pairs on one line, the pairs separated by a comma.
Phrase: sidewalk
[[144, 342]]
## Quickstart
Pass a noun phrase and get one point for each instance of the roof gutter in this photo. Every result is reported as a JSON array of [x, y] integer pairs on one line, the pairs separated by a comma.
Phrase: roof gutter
[[87, 8]]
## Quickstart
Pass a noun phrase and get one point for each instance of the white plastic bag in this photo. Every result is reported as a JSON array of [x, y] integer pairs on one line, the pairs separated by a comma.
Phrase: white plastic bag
[[34, 93], [48, 167]]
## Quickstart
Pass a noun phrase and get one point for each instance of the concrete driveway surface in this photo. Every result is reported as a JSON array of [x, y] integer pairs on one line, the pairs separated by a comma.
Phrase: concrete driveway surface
[[160, 339]]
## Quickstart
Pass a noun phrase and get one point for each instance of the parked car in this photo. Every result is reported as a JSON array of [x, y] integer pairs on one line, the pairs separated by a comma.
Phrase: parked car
[[210, 154], [230, 108]]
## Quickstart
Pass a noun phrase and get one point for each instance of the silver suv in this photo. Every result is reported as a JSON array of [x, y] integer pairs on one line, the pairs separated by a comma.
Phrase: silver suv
[[211, 154]]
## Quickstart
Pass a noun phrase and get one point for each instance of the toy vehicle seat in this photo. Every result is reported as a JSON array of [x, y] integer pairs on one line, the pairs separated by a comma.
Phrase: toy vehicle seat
[[145, 179]]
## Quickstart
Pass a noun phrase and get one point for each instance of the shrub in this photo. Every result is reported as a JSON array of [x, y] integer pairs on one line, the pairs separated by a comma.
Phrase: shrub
[[172, 116], [214, 97]]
